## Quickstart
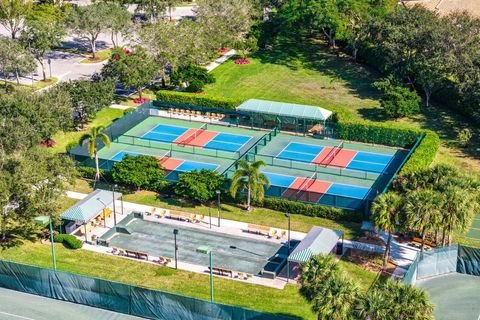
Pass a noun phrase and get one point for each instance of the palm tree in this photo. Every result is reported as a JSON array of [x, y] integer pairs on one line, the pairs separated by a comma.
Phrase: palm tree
[[331, 293], [422, 209], [249, 177], [95, 134], [458, 210], [385, 216], [394, 300]]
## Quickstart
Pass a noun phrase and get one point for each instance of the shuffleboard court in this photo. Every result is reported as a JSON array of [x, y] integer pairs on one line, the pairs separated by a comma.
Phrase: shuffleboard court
[[16, 305], [230, 252]]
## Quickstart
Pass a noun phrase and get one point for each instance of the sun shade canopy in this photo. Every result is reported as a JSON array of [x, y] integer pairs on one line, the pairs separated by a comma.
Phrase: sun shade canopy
[[283, 109], [317, 241], [90, 206]]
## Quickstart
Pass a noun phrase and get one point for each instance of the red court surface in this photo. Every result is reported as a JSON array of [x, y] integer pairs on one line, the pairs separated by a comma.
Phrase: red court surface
[[307, 189], [185, 136], [196, 137], [170, 164], [341, 159]]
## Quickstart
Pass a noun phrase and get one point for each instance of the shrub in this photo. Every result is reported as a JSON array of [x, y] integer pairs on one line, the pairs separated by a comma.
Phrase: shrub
[[464, 137], [195, 86], [199, 185], [183, 99], [70, 241], [140, 172], [312, 210], [424, 155], [89, 172], [400, 102], [128, 110], [191, 73]]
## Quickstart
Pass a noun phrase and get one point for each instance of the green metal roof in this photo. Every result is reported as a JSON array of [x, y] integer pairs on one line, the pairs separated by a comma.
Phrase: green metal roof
[[283, 109], [90, 206], [317, 241]]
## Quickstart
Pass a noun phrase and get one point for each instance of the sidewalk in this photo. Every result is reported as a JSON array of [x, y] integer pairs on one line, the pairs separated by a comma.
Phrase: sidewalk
[[220, 60]]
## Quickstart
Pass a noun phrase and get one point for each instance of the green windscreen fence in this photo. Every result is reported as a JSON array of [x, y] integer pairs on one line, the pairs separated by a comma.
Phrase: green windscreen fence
[[118, 297], [452, 259]]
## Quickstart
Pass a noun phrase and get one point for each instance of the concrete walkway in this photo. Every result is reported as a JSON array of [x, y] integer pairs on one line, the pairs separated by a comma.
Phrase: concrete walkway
[[220, 60]]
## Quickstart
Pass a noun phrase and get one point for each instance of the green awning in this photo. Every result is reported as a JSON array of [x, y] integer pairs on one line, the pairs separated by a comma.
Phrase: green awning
[[317, 241], [90, 206], [283, 109]]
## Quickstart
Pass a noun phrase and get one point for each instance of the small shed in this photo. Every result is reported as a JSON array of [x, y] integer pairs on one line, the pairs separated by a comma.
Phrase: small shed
[[286, 116], [318, 241]]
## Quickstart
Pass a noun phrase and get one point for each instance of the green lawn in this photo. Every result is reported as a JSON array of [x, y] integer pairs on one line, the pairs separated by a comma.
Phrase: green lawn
[[286, 301], [258, 215], [37, 85], [297, 73], [104, 117], [99, 57]]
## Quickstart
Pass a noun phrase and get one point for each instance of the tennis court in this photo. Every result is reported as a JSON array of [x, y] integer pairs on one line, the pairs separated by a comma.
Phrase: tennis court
[[23, 306], [455, 296], [229, 251], [474, 231]]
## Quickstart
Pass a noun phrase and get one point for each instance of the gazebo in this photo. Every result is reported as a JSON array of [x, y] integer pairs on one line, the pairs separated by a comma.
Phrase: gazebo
[[96, 205], [286, 116], [318, 241]]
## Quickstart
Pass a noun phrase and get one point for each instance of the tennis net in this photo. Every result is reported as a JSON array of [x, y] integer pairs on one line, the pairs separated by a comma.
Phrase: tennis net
[[194, 135], [304, 187], [332, 154]]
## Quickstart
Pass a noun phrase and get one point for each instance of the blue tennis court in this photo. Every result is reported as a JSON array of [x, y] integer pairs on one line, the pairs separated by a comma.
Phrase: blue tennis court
[[227, 142], [165, 133], [188, 166], [334, 189], [347, 159]]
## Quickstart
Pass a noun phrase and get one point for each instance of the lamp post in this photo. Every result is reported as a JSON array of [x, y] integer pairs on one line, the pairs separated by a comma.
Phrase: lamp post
[[50, 67], [114, 213], [104, 207], [208, 250], [175, 232], [43, 220], [218, 207], [288, 246]]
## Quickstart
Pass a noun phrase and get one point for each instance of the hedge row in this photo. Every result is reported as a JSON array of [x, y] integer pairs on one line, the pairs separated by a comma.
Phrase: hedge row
[[192, 99], [69, 240], [376, 133], [424, 154], [312, 210]]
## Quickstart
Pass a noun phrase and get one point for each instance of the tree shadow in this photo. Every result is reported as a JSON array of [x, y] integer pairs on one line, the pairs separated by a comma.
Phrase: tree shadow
[[315, 55], [83, 44]]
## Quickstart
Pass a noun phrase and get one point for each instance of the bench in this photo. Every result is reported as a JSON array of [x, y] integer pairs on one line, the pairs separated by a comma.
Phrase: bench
[[255, 228], [182, 215], [135, 254], [418, 242], [222, 271]]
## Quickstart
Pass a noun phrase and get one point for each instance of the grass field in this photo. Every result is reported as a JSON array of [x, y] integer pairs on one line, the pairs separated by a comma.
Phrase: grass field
[[99, 57], [287, 301], [298, 73], [104, 117]]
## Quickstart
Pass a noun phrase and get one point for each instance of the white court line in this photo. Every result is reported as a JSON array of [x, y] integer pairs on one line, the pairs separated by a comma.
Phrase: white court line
[[15, 315]]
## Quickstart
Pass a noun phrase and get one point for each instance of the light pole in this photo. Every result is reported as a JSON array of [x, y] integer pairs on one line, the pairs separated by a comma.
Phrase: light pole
[[104, 207], [43, 220], [218, 207], [288, 246], [114, 213], [50, 67], [208, 250], [210, 216], [175, 232]]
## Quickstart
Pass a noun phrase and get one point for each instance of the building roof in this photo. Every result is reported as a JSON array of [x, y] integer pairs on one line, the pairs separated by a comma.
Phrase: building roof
[[90, 206], [317, 241], [285, 109]]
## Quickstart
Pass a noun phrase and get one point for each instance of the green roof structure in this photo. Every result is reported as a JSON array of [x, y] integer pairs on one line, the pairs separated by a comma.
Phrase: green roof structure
[[283, 109], [317, 241], [90, 206]]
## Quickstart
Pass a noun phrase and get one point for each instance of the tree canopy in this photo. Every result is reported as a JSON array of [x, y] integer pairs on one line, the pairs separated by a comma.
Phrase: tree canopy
[[141, 172], [199, 185]]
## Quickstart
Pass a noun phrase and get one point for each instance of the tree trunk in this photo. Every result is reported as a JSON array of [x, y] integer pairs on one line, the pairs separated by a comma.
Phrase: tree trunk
[[40, 60], [423, 243], [449, 236], [5, 78], [170, 12], [140, 92], [94, 48], [163, 82], [97, 173], [428, 94], [387, 250], [113, 40], [248, 199], [4, 226], [443, 237], [18, 77]]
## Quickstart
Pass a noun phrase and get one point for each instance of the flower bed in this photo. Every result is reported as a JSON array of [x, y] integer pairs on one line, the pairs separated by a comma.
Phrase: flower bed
[[242, 61], [222, 51], [140, 100], [49, 143]]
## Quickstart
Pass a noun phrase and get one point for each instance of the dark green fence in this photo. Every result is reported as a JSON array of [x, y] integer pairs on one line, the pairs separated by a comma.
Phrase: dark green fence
[[118, 297]]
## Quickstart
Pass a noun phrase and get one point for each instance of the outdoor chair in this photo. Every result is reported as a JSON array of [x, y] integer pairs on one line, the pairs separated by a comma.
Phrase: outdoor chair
[[283, 234], [249, 276], [168, 260], [240, 275], [273, 233]]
